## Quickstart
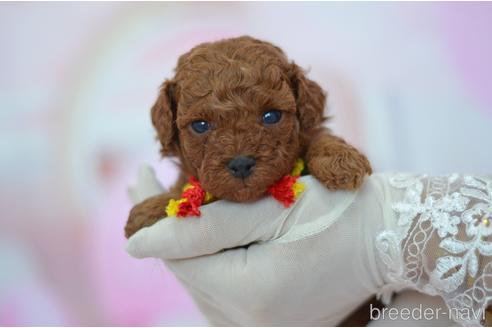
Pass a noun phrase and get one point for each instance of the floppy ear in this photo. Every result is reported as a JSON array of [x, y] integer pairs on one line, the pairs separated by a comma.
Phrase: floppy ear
[[163, 115], [310, 99]]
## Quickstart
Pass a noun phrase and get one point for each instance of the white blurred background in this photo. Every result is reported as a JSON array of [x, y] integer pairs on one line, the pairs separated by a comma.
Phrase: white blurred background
[[409, 83]]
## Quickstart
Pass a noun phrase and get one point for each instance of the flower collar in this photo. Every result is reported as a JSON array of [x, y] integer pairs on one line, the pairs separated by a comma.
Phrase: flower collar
[[286, 191]]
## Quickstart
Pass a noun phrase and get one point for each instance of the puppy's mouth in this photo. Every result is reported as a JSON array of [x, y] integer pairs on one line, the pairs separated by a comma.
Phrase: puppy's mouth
[[244, 190], [245, 183]]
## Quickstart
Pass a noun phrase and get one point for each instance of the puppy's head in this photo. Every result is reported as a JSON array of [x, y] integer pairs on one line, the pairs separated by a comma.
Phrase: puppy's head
[[237, 114]]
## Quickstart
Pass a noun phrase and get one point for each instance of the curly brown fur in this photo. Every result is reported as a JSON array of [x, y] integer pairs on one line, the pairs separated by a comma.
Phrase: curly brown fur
[[335, 163], [231, 83]]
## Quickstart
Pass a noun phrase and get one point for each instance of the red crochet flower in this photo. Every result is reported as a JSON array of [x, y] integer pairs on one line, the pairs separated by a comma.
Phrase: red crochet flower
[[283, 191], [192, 198]]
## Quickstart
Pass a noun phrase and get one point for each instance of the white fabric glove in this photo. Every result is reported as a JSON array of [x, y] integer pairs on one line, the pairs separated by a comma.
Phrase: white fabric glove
[[304, 264], [146, 187], [315, 262]]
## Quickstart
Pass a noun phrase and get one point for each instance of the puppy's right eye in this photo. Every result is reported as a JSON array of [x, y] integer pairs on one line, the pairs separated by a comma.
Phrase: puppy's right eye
[[271, 117], [200, 126]]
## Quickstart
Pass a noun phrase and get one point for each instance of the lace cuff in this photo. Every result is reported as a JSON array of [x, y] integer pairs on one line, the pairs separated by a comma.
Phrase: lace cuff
[[440, 242]]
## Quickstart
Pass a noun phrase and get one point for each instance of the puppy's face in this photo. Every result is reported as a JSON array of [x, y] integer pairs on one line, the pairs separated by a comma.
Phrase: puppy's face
[[243, 135], [235, 121]]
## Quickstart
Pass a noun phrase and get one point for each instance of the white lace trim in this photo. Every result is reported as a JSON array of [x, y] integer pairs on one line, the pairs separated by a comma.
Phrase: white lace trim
[[439, 245]]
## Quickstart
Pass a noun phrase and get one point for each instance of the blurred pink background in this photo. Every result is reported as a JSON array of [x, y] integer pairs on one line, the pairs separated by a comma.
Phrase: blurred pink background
[[409, 83]]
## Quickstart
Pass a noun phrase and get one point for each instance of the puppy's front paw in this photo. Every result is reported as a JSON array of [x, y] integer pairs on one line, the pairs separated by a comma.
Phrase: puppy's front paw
[[145, 214], [343, 170]]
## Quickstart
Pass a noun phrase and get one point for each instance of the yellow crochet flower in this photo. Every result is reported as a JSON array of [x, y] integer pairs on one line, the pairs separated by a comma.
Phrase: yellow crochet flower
[[298, 168], [298, 188], [208, 198], [172, 207]]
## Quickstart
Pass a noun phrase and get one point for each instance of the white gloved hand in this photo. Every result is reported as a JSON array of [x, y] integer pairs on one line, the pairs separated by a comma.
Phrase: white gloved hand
[[313, 263], [147, 185], [310, 264]]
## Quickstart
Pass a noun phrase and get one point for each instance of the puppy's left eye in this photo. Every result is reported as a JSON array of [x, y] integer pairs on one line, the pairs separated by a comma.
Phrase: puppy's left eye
[[200, 126], [271, 117]]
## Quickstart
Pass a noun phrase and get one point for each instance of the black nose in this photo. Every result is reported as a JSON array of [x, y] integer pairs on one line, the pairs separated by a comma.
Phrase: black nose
[[241, 166]]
